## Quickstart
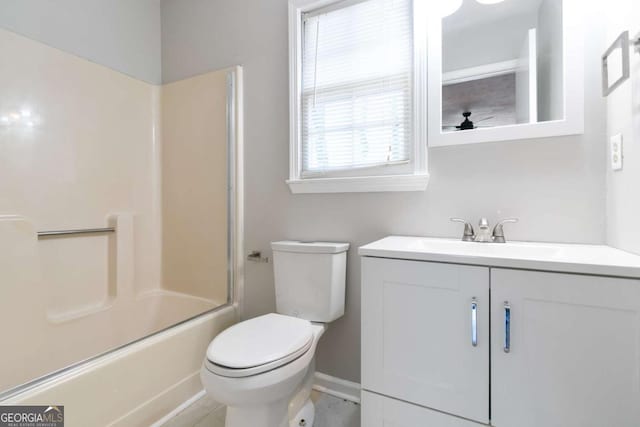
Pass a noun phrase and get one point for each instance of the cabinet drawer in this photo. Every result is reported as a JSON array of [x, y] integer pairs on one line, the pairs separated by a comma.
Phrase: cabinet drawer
[[418, 334], [381, 411]]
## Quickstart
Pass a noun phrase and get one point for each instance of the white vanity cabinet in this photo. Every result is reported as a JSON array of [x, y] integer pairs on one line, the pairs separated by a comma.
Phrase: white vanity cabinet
[[574, 356], [418, 342], [469, 337]]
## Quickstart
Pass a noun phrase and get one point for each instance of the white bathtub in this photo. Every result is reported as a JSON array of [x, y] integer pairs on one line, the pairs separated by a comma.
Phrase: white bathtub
[[138, 384]]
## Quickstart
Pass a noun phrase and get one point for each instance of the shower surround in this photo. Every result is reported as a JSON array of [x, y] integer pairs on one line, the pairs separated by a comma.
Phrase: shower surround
[[81, 147]]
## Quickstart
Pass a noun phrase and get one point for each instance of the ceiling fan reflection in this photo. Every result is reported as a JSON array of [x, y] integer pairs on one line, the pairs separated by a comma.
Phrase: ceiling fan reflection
[[468, 124]]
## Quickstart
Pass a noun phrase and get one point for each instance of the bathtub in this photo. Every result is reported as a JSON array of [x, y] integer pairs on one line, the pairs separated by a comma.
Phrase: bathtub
[[47, 331], [138, 384]]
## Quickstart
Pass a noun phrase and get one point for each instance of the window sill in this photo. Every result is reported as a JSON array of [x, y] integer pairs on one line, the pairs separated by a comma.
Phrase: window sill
[[359, 184]]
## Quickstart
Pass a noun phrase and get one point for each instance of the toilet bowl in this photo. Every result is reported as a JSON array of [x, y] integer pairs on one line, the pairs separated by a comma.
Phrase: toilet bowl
[[259, 392], [262, 369]]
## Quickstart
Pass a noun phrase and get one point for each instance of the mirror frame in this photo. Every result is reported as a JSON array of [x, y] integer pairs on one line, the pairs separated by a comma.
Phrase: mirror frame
[[573, 84]]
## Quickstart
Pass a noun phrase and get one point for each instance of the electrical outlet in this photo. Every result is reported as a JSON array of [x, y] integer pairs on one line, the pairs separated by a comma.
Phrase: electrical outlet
[[616, 152]]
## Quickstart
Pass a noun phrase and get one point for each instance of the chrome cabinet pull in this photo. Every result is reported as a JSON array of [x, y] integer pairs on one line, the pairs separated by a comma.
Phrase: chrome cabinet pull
[[507, 327], [474, 322]]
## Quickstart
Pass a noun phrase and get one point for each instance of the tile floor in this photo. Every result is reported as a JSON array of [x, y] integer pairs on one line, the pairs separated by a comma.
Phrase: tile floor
[[330, 412]]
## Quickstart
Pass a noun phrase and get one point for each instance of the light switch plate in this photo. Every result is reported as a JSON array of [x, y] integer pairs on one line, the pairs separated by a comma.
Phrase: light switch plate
[[616, 152]]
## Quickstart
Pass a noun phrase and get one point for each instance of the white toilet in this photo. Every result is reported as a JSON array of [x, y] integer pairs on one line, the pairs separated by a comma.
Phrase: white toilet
[[262, 368]]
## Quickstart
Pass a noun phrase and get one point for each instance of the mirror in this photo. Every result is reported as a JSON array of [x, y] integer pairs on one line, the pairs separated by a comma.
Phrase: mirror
[[502, 64], [501, 71]]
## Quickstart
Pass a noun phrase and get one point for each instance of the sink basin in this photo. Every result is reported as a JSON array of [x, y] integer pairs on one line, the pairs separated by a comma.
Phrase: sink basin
[[503, 250]]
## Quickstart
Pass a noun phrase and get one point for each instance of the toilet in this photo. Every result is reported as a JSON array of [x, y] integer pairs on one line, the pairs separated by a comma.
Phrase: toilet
[[262, 369]]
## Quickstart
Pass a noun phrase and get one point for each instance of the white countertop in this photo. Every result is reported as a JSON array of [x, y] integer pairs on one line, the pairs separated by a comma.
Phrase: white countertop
[[561, 257]]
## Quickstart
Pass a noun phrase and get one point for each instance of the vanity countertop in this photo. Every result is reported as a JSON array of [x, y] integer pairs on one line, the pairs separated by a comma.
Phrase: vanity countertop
[[561, 257]]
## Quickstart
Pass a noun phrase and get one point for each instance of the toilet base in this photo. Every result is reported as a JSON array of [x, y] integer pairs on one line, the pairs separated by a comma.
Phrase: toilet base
[[274, 414], [304, 417]]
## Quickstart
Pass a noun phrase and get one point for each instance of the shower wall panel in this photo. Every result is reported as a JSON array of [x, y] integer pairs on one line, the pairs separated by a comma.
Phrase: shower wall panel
[[194, 184], [77, 150]]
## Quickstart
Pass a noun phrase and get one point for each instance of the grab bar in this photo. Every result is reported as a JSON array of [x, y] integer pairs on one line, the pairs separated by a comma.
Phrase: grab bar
[[79, 231]]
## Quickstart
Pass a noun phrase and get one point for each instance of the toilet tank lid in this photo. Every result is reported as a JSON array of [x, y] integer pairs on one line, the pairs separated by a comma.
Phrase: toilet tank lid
[[309, 247]]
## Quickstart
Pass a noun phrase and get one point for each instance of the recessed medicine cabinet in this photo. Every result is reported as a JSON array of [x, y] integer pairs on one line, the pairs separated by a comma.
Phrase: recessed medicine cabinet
[[505, 71]]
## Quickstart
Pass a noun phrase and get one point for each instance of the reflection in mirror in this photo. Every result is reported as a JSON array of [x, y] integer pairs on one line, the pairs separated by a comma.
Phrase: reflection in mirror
[[502, 64]]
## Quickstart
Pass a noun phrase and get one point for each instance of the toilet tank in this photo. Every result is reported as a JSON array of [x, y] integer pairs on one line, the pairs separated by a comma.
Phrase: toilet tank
[[310, 279]]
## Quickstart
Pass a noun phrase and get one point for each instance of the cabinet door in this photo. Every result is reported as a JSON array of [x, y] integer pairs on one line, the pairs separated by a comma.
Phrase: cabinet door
[[417, 333], [381, 411], [574, 354]]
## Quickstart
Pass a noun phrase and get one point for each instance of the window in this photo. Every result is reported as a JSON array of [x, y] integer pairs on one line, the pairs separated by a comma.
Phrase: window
[[357, 96]]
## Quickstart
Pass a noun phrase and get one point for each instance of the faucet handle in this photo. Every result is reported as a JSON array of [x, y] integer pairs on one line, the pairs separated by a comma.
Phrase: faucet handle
[[498, 231], [468, 235]]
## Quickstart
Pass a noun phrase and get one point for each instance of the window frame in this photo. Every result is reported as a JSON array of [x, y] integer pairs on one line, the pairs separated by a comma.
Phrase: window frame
[[368, 179]]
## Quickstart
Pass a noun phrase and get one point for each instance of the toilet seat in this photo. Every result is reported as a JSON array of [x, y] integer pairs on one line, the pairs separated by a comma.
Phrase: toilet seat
[[225, 371], [259, 345]]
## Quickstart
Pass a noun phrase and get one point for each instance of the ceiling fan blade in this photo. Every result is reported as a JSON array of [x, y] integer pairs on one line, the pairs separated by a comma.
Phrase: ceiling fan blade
[[484, 118]]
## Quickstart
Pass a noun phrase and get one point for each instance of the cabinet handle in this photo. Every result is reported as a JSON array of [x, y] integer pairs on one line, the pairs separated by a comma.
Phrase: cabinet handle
[[507, 327], [474, 322]]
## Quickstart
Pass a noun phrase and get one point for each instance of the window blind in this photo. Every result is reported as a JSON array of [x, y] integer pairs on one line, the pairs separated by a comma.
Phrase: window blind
[[356, 98]]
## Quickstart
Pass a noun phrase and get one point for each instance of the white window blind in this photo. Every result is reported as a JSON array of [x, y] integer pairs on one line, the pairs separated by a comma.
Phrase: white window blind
[[356, 101]]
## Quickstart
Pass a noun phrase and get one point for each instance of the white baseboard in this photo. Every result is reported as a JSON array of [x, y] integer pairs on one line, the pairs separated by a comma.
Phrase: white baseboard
[[337, 387], [184, 405]]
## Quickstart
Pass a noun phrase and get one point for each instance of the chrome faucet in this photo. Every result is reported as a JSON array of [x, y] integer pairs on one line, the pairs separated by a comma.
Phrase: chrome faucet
[[483, 235]]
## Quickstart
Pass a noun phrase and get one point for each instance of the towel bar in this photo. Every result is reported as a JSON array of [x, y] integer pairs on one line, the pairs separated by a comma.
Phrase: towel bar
[[79, 231]]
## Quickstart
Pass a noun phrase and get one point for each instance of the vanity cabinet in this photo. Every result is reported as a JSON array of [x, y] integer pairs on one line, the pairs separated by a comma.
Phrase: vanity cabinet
[[574, 356], [418, 334], [559, 349]]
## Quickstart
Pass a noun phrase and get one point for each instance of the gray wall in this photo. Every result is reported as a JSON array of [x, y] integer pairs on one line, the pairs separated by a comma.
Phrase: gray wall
[[623, 203], [120, 34], [555, 186]]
